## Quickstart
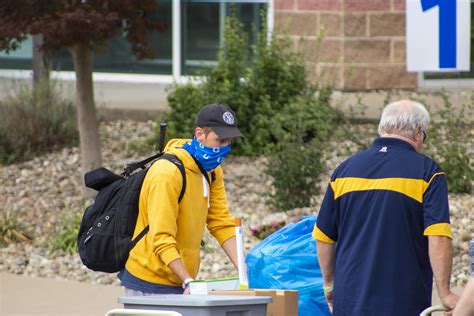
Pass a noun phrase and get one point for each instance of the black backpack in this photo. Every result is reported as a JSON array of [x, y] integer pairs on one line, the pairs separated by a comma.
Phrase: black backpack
[[105, 235]]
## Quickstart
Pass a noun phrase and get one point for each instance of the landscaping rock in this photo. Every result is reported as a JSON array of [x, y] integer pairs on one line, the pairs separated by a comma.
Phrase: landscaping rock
[[40, 191]]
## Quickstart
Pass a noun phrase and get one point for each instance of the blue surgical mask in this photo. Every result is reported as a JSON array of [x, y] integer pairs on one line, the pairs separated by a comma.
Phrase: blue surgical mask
[[209, 157]]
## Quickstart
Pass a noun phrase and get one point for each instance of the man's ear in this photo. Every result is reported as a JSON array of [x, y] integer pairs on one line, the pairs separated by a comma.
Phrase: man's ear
[[199, 134], [418, 135]]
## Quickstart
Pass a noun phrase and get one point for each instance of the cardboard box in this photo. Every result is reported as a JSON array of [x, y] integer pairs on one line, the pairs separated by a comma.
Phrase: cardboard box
[[284, 302]]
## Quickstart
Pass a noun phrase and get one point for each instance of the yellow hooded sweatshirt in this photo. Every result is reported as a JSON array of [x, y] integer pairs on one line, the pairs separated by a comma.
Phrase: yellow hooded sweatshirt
[[176, 230]]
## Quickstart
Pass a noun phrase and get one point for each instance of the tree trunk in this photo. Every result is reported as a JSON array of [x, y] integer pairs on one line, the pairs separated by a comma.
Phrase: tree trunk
[[40, 61], [86, 112]]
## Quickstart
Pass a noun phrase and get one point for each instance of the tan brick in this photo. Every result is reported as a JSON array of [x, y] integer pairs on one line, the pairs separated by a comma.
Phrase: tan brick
[[387, 24], [367, 5], [355, 24], [399, 5], [399, 52], [325, 74], [395, 77], [290, 44], [367, 51], [284, 4], [330, 75], [321, 50], [355, 77], [320, 5], [296, 23], [312, 72], [332, 23]]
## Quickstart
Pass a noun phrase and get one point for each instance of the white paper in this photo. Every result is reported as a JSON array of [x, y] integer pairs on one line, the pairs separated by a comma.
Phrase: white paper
[[241, 257]]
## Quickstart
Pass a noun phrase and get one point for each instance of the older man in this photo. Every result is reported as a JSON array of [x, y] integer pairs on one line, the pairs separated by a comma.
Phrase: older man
[[383, 230]]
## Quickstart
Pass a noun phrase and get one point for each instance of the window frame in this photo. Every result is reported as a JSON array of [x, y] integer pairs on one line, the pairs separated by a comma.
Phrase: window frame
[[176, 69]]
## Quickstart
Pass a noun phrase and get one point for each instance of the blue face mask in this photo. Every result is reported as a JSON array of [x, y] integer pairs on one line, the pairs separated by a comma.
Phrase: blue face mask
[[209, 157]]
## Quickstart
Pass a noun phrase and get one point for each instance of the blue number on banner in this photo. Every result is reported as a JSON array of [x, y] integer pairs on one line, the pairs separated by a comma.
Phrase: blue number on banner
[[447, 30]]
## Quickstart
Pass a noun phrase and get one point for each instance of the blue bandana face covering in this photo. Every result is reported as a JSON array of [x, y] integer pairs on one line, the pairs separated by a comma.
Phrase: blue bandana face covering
[[209, 157]]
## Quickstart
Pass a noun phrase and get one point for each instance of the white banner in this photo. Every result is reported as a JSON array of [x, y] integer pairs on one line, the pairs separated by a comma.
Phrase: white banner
[[438, 35]]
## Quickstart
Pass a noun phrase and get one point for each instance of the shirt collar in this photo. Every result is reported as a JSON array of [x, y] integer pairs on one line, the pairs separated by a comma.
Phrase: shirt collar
[[390, 141]]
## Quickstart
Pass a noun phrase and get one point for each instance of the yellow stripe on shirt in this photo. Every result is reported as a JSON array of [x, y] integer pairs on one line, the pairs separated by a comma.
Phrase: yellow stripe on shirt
[[440, 229], [429, 182], [413, 188], [319, 235]]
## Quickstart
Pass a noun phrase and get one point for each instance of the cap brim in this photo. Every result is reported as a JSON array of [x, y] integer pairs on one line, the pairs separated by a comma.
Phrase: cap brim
[[226, 132]]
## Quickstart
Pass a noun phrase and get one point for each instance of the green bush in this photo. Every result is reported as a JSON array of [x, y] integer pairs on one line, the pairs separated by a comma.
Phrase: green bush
[[295, 173], [449, 142], [185, 101], [279, 111], [34, 121], [265, 88], [296, 168], [65, 239]]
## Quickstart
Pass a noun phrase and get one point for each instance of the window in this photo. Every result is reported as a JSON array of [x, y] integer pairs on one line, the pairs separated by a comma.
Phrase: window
[[203, 29], [18, 59], [202, 26], [117, 57]]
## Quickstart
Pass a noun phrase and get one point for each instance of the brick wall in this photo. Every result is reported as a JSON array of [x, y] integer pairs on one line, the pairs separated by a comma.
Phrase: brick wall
[[355, 44]]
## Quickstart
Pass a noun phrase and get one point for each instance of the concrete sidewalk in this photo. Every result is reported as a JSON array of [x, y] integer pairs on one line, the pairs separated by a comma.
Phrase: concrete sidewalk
[[26, 296], [21, 295]]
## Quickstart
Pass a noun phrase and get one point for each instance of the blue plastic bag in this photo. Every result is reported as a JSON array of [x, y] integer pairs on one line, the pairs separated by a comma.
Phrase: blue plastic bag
[[287, 260]]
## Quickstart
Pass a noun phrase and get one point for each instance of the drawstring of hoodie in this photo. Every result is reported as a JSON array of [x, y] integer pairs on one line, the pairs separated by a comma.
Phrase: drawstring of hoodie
[[205, 188]]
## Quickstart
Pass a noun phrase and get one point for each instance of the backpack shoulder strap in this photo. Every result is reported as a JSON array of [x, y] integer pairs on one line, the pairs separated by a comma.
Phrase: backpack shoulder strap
[[203, 171], [178, 163]]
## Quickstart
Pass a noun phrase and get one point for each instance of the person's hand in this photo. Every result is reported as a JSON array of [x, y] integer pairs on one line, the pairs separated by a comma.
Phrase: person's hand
[[449, 301], [187, 285], [329, 300], [328, 291]]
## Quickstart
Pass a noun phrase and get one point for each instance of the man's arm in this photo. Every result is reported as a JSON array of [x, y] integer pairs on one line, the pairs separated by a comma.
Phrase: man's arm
[[325, 233], [180, 271], [220, 222], [441, 259], [326, 263], [230, 248]]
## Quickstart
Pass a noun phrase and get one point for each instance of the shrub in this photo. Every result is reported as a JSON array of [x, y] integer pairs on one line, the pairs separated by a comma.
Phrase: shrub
[[279, 111], [295, 168], [263, 90], [295, 173], [449, 142], [34, 121], [11, 230], [65, 240], [185, 101]]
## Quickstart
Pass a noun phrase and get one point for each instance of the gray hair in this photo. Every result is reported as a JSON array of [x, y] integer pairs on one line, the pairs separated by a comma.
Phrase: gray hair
[[403, 118]]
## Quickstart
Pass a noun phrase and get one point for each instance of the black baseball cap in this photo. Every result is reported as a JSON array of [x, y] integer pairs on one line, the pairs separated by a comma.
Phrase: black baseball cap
[[220, 118]]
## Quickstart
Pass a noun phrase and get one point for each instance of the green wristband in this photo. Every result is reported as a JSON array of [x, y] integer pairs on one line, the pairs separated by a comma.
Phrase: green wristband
[[328, 289]]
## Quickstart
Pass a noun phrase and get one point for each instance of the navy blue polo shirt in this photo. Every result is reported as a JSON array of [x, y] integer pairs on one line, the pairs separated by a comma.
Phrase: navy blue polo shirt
[[378, 209]]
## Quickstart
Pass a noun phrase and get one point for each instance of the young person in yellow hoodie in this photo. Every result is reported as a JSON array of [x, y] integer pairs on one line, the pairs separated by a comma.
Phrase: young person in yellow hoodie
[[167, 258]]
